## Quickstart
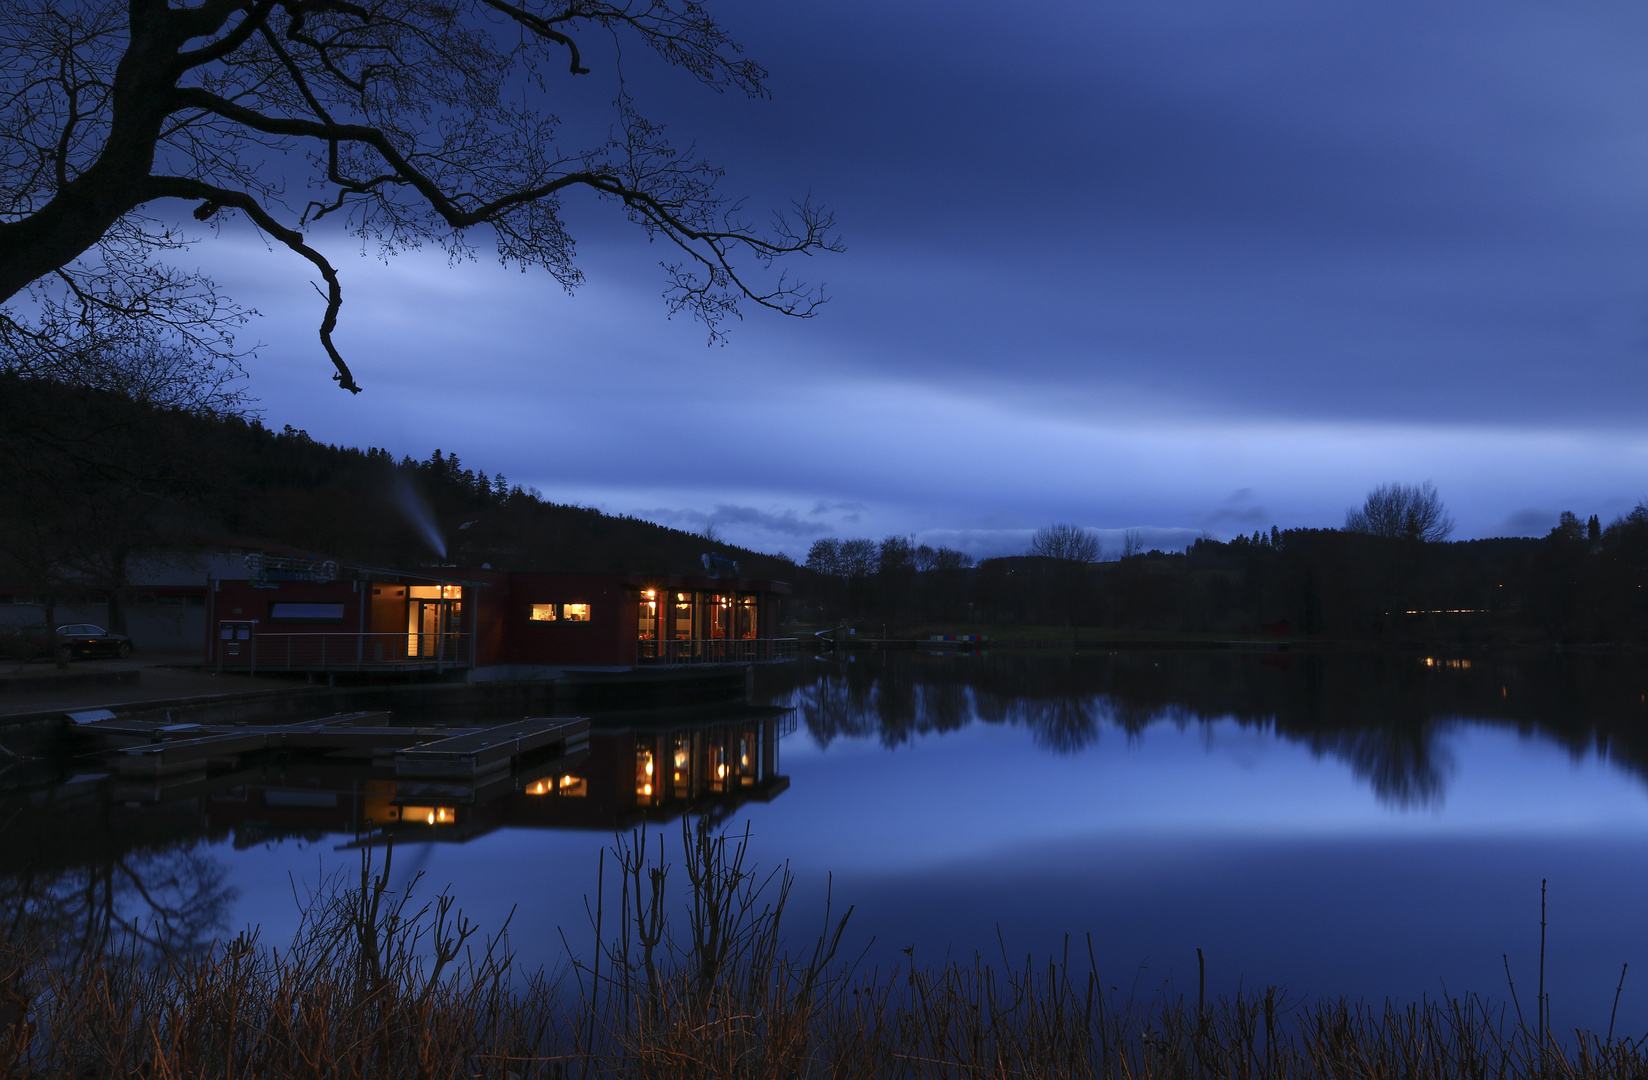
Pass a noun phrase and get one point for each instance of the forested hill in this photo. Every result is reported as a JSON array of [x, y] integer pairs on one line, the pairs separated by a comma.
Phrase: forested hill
[[90, 474]]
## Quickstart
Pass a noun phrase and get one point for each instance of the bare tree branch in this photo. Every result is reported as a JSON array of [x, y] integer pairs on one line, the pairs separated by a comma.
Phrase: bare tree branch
[[416, 122]]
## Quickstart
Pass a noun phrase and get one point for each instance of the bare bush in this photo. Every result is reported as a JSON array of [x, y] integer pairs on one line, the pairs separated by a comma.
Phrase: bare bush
[[1067, 543], [1402, 512]]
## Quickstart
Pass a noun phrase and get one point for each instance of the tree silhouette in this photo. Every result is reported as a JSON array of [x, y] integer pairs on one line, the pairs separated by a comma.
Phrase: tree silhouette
[[408, 122], [1402, 512], [1065, 542]]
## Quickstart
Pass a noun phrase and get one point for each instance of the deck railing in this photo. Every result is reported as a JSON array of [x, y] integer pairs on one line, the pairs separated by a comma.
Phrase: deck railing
[[344, 652], [715, 651]]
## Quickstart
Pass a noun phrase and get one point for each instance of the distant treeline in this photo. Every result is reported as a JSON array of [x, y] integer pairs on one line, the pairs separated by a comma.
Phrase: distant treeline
[[1582, 583], [89, 478]]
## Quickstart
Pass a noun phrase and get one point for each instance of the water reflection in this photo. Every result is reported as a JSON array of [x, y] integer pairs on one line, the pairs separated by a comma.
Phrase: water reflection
[[1077, 828], [163, 899], [92, 857], [1381, 714]]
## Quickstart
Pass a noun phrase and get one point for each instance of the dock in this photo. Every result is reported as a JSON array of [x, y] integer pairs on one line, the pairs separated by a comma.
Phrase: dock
[[477, 752], [456, 753]]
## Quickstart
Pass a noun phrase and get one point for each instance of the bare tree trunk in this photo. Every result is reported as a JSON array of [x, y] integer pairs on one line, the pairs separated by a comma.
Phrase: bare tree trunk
[[119, 590], [54, 649], [116, 617]]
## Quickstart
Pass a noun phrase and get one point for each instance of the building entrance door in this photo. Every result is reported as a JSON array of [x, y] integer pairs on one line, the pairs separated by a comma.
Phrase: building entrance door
[[433, 624]]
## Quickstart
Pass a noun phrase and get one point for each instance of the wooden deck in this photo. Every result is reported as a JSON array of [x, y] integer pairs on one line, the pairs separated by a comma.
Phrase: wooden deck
[[460, 753]]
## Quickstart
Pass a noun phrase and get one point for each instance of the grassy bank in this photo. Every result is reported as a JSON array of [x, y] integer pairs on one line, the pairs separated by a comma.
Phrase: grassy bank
[[375, 984]]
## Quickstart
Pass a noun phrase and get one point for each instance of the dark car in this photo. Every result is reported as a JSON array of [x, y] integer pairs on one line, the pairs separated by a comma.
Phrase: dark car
[[76, 640]]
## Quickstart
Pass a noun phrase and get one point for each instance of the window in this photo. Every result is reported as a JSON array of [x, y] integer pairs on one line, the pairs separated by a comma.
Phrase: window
[[542, 613], [643, 775], [575, 612], [289, 612]]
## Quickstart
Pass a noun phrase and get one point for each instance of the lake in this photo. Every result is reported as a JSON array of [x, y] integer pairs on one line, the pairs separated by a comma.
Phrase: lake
[[1342, 824]]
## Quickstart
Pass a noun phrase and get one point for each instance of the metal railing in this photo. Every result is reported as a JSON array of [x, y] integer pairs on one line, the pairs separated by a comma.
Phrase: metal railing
[[715, 651], [344, 652]]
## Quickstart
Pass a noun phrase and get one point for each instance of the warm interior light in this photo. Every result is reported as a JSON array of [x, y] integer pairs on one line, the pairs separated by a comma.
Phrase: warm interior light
[[720, 772], [650, 593], [643, 772], [429, 815]]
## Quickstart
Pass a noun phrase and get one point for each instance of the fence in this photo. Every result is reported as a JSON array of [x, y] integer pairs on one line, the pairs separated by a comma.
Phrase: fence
[[344, 652], [715, 651]]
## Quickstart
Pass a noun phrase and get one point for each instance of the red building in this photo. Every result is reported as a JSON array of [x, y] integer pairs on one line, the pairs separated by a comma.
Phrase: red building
[[308, 616]]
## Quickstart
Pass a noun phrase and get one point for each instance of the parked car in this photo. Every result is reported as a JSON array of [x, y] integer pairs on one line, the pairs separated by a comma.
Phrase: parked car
[[77, 640]]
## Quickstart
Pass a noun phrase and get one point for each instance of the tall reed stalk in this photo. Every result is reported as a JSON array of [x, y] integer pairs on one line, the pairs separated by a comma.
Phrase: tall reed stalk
[[376, 983]]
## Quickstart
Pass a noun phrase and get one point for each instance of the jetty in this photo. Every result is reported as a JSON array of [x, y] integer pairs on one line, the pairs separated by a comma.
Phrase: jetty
[[147, 750]]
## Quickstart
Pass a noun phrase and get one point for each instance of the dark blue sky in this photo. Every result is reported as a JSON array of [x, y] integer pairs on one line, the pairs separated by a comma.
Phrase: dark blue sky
[[1166, 266]]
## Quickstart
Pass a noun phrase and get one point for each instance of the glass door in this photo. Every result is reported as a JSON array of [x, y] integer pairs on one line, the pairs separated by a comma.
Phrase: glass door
[[434, 621]]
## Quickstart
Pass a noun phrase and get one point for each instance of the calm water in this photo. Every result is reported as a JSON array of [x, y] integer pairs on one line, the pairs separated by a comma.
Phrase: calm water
[[1343, 824]]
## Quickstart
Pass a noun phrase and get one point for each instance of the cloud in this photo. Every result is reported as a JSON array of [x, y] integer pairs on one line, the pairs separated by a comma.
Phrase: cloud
[[736, 518], [849, 511], [996, 543], [1314, 248], [1528, 522], [1240, 510]]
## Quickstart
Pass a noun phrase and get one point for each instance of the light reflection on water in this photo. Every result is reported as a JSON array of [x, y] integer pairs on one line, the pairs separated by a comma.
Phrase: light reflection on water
[[1356, 825]]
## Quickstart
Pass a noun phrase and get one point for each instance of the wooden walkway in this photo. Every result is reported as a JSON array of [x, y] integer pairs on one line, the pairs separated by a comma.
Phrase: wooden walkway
[[459, 753]]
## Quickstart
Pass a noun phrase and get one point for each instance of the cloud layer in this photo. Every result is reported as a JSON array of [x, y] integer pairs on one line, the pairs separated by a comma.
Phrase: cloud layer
[[1171, 266]]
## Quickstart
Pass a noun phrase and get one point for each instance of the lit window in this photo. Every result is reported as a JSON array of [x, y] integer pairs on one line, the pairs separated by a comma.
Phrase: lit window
[[543, 613], [574, 786], [429, 815], [576, 612], [643, 773]]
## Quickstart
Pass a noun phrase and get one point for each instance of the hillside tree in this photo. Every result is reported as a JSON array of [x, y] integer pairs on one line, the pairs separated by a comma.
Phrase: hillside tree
[[1402, 512], [1065, 542]]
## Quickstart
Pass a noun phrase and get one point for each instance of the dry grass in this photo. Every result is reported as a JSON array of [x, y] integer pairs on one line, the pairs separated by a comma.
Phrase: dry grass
[[374, 985]]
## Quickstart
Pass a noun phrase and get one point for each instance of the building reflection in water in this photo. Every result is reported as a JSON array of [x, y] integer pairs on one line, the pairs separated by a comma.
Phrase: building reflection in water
[[626, 774], [107, 856]]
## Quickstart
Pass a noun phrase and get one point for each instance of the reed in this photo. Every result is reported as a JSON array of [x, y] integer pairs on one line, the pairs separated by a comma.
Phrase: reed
[[377, 983]]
